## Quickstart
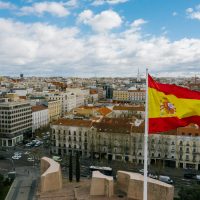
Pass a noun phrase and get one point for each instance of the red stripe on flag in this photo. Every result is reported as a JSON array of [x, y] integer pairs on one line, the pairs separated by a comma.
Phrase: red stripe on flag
[[178, 91], [157, 125]]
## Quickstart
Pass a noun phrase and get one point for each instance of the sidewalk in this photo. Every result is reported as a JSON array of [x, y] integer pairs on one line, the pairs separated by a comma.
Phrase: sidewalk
[[24, 185]]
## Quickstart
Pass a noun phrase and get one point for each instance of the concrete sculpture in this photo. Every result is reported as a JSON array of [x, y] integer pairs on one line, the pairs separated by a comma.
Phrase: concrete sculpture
[[51, 178], [101, 185], [132, 185]]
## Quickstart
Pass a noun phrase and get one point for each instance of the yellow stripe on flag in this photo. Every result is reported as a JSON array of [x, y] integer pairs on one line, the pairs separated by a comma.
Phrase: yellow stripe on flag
[[161, 105]]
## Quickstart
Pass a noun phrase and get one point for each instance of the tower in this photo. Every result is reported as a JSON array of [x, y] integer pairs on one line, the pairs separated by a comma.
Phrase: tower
[[138, 76]]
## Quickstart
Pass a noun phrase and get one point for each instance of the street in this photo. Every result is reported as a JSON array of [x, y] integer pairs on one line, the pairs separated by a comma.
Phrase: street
[[25, 184], [27, 172], [26, 180]]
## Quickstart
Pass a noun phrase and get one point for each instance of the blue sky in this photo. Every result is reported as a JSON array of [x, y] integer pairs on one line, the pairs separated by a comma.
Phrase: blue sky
[[101, 37]]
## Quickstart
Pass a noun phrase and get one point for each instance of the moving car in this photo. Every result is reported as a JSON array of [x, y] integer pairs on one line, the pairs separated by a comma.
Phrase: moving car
[[57, 158], [28, 145], [17, 154], [30, 159], [166, 179], [16, 157]]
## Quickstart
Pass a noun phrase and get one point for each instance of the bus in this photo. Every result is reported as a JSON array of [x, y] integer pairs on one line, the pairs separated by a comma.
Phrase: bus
[[104, 170]]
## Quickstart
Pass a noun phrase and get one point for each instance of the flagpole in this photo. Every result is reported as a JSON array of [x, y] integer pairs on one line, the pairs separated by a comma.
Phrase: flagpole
[[146, 141]]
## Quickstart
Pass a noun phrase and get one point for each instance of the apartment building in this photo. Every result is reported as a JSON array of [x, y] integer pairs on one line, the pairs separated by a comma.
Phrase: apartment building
[[54, 109], [128, 111], [15, 122], [123, 140], [68, 100], [40, 117], [179, 148], [82, 95], [129, 96], [69, 136], [109, 139]]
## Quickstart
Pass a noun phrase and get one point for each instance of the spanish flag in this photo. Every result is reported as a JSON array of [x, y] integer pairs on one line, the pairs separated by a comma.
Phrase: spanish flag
[[171, 106]]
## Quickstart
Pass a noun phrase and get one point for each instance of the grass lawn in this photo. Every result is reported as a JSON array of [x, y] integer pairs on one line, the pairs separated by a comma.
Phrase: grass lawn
[[3, 191]]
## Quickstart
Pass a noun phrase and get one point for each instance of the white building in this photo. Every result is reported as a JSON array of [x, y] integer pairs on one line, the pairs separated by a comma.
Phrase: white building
[[40, 117], [67, 99], [82, 95], [121, 139]]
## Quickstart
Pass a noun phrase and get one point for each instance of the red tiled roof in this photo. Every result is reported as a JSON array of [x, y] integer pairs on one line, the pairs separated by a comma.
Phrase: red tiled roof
[[73, 122], [38, 108], [114, 125], [22, 97], [104, 111], [141, 108]]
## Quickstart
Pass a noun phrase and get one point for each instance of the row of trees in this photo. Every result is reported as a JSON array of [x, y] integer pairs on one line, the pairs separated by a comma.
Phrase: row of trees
[[77, 168]]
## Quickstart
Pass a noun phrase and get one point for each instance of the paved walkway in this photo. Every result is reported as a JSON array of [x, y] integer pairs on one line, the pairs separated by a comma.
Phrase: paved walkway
[[25, 184]]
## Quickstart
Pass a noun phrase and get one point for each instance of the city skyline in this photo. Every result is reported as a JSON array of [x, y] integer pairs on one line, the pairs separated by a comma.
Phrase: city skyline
[[99, 38]]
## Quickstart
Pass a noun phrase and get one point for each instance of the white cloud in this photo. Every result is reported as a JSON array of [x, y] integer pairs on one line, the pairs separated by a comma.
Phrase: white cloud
[[174, 14], [189, 10], [55, 8], [42, 49], [112, 2], [6, 5], [193, 13], [138, 22], [71, 3], [104, 21]]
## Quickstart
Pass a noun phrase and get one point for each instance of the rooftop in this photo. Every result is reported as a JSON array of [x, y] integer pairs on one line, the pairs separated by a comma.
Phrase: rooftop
[[131, 108], [73, 122], [38, 108]]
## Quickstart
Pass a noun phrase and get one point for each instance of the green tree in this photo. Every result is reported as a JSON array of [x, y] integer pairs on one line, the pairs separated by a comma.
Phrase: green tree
[[192, 193], [1, 180], [70, 168], [77, 167]]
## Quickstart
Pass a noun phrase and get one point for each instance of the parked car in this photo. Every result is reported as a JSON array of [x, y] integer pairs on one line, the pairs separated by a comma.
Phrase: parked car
[[190, 175], [153, 176], [142, 171], [166, 179]]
